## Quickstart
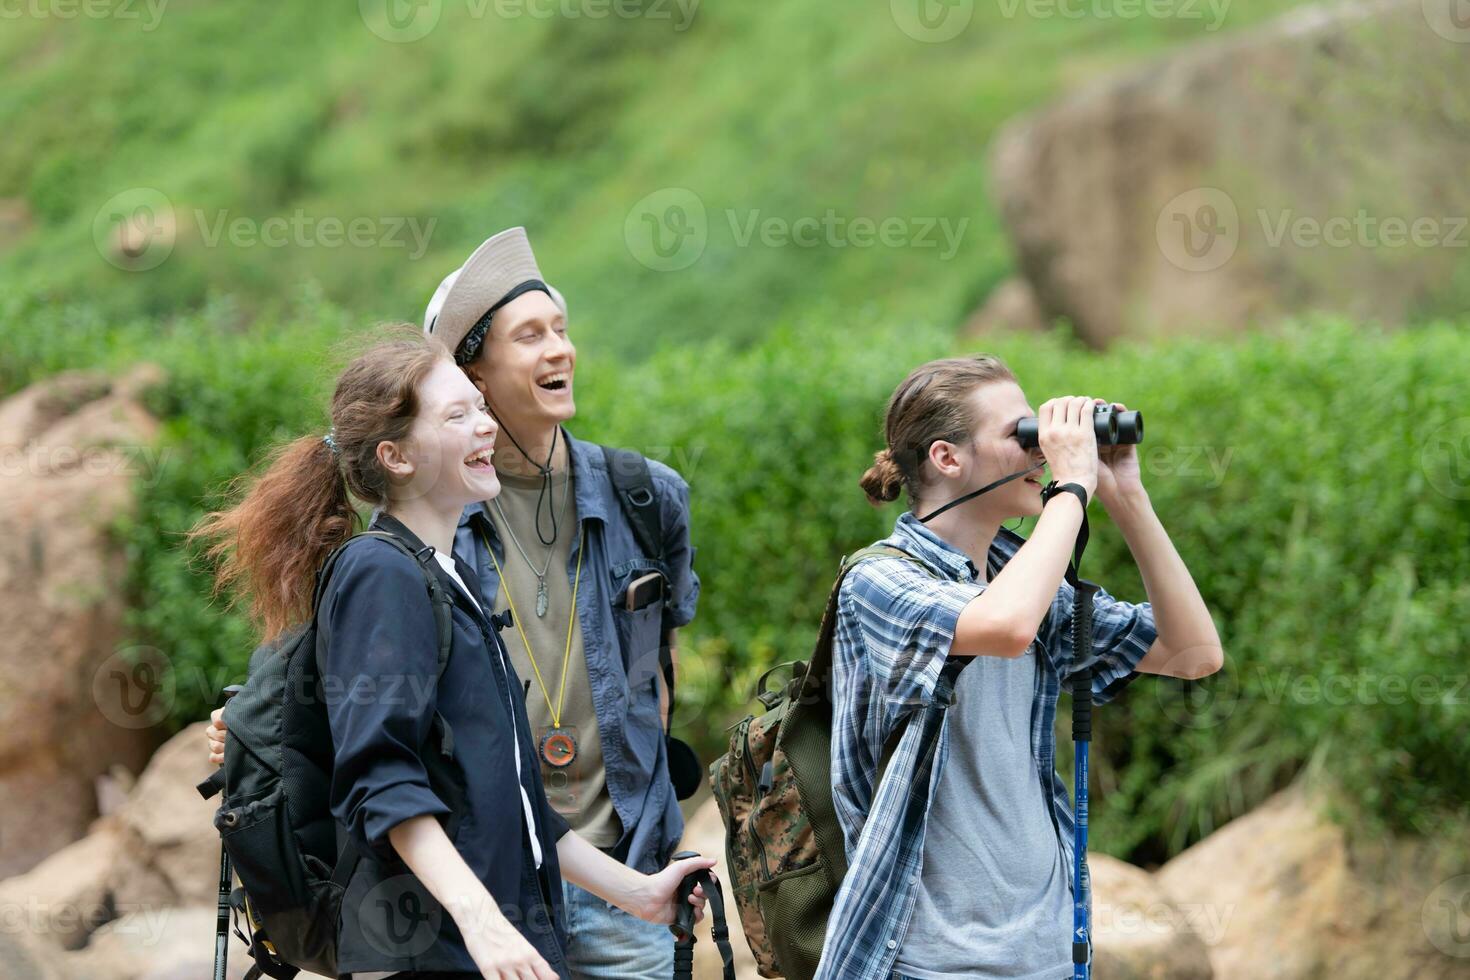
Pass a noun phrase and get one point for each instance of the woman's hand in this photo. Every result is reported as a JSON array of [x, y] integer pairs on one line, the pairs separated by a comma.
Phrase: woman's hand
[[1118, 473], [1066, 436], [653, 899], [499, 950], [215, 735], [497, 947]]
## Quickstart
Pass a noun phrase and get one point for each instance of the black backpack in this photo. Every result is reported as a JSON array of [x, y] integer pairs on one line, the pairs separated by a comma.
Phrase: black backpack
[[275, 821]]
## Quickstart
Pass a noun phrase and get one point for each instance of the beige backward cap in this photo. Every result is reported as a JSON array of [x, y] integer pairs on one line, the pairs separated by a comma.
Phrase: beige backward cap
[[498, 266]]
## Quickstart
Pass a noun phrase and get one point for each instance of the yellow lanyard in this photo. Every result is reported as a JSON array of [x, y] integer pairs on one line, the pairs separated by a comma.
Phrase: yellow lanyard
[[571, 620]]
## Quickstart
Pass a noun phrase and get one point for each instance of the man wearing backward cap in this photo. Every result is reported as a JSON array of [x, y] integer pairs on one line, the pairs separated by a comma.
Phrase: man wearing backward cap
[[560, 550]]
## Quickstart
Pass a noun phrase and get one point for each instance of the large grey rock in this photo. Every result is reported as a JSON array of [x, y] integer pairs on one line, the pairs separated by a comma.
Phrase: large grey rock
[[1282, 894], [172, 823], [1316, 163], [1139, 933], [70, 696], [159, 944], [158, 851]]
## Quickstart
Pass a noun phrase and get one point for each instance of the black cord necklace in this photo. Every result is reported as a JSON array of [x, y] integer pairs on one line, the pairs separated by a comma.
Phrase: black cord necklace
[[544, 470]]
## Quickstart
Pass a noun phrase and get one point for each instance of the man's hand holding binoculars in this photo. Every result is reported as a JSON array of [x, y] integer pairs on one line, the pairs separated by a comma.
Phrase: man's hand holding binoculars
[[1119, 477], [1091, 443]]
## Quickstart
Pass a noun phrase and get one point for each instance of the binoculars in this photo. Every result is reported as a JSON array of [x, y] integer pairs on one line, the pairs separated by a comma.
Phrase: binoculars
[[1112, 428]]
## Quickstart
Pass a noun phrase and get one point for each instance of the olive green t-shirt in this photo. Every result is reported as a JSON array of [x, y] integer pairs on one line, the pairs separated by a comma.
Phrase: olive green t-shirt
[[577, 791]]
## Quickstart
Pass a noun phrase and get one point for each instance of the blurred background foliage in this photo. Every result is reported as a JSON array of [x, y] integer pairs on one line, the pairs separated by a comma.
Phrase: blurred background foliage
[[1290, 468], [558, 123], [1279, 464]]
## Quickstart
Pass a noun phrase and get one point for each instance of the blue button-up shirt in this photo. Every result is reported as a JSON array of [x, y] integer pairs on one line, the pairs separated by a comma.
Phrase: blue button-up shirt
[[622, 647], [895, 624]]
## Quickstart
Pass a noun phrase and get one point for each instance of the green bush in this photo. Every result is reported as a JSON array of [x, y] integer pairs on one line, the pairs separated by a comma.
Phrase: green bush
[[1307, 479]]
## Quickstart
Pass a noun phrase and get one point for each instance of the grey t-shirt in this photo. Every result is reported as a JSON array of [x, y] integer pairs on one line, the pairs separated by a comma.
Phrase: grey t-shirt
[[993, 899], [579, 791]]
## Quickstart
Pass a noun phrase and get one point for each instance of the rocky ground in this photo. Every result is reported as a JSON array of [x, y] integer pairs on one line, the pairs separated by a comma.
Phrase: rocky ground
[[1278, 894]]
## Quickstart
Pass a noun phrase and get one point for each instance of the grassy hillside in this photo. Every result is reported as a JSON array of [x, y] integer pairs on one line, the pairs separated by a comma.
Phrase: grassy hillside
[[828, 112]]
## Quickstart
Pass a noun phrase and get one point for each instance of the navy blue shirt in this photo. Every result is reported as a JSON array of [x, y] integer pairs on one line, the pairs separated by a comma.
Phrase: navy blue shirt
[[622, 647], [379, 657]]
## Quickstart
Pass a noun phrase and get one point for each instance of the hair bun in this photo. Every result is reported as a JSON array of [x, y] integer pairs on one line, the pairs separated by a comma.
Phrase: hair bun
[[884, 480]]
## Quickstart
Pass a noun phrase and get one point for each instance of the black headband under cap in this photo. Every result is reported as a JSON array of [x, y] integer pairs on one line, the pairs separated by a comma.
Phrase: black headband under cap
[[469, 348]]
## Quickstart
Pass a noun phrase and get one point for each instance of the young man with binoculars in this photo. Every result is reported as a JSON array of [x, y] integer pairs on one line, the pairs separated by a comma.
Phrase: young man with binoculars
[[960, 859]]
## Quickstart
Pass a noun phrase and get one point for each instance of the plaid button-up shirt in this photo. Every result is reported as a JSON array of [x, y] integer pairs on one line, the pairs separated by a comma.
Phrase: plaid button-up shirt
[[895, 624]]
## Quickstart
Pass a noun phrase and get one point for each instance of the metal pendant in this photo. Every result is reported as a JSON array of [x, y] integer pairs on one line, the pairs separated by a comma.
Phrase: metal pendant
[[559, 748], [542, 600]]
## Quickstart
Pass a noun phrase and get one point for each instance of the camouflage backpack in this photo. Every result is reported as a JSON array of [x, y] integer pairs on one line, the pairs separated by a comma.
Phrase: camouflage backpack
[[783, 844]]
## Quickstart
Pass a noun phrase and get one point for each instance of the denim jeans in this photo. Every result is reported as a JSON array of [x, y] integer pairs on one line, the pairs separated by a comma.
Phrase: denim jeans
[[606, 943]]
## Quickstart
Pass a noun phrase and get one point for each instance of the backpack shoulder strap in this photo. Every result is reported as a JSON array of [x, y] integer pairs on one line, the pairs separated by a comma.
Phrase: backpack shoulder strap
[[824, 642], [443, 619], [821, 660], [633, 484]]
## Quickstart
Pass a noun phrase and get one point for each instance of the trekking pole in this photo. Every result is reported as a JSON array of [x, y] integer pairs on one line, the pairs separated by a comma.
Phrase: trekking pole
[[226, 880], [683, 925], [1081, 736], [1082, 596]]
